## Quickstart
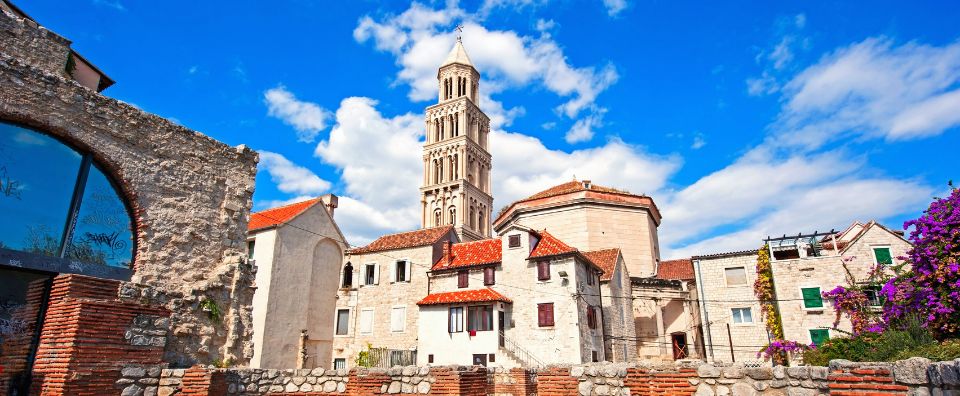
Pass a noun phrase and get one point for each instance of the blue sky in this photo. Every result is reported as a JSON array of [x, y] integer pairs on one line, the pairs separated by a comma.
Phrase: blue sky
[[740, 119]]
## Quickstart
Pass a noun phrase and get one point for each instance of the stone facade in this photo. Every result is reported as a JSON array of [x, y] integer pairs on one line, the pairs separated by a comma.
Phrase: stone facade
[[619, 331], [666, 320], [189, 195]]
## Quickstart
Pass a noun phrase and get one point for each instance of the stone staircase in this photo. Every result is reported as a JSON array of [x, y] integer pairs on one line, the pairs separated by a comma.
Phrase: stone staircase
[[516, 355]]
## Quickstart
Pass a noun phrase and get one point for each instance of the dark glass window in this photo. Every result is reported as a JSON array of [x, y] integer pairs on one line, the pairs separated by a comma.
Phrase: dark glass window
[[251, 245], [480, 318], [61, 211], [343, 321], [347, 276], [455, 320]]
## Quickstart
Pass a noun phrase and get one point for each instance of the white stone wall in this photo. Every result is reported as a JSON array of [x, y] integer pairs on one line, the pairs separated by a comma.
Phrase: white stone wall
[[618, 316], [456, 348], [263, 256], [719, 299]]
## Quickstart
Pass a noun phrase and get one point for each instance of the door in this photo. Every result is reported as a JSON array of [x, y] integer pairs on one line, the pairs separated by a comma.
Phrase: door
[[480, 359], [500, 325], [679, 346], [22, 300]]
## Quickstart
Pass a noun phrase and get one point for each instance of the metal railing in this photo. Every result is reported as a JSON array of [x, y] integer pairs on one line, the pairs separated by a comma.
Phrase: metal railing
[[522, 356]]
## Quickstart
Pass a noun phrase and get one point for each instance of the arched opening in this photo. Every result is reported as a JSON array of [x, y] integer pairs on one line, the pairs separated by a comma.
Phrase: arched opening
[[437, 218], [453, 215], [473, 217], [347, 281], [63, 213], [482, 226]]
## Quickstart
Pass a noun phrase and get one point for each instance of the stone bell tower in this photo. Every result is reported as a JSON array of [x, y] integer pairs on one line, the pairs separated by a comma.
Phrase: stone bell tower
[[456, 164]]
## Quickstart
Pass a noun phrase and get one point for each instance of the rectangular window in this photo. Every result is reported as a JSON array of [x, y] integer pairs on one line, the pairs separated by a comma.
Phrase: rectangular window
[[250, 248], [339, 363], [742, 316], [492, 358], [595, 356], [819, 336], [430, 358], [398, 319], [811, 297], [489, 276], [463, 279], [736, 276], [543, 270], [591, 317], [343, 321], [883, 255], [401, 271], [590, 276], [514, 241], [480, 318], [366, 321], [874, 298], [371, 274], [455, 320], [545, 314]]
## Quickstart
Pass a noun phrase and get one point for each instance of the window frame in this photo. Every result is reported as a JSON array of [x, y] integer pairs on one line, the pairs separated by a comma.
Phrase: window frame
[[810, 334], [542, 321], [591, 317], [511, 239], [373, 317], [463, 279], [339, 363], [803, 300], [336, 322], [483, 308], [376, 274], [733, 316], [489, 276], [877, 296], [461, 327], [726, 279], [408, 271], [543, 270], [402, 322], [876, 261]]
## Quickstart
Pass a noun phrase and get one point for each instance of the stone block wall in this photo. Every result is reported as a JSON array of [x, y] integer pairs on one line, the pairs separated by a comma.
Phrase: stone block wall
[[514, 382]]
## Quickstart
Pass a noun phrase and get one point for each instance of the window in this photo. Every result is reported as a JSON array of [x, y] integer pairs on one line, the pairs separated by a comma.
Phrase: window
[[398, 319], [455, 320], [430, 358], [489, 276], [366, 321], [492, 358], [545, 314], [811, 297], [401, 271], [58, 203], [250, 246], [874, 298], [543, 270], [514, 240], [819, 336], [347, 276], [371, 274], [453, 215], [339, 363], [595, 356], [436, 217], [480, 318], [463, 279], [590, 276], [591, 317], [742, 316], [882, 255], [736, 276], [343, 321]]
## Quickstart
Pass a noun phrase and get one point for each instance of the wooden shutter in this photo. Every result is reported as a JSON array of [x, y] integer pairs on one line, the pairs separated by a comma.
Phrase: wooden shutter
[[376, 274], [406, 271], [591, 318], [463, 279], [812, 297], [543, 270], [545, 314], [393, 272], [883, 255], [819, 336], [489, 275]]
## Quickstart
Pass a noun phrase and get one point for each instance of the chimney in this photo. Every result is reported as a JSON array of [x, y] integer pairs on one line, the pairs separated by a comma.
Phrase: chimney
[[447, 250], [586, 184], [330, 202]]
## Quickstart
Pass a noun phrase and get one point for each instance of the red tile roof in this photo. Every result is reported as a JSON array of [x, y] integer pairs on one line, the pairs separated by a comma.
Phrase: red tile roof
[[403, 240], [467, 254], [549, 245], [571, 187], [681, 269], [272, 217], [578, 189], [606, 260], [464, 296]]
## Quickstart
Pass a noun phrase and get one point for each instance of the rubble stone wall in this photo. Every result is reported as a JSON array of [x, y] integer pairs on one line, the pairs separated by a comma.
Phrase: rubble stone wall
[[189, 195]]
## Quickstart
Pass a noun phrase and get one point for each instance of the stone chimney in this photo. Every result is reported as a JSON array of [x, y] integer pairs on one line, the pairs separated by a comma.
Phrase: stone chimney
[[447, 250], [586, 184], [330, 202]]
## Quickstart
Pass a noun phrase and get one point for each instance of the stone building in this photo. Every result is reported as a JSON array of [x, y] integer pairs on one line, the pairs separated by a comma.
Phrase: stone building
[[123, 232], [456, 163], [616, 291], [665, 313], [297, 250], [529, 302], [593, 217], [803, 267]]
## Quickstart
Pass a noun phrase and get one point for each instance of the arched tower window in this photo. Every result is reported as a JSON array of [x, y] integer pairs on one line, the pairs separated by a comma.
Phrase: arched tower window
[[473, 217], [456, 166], [440, 170], [436, 129], [61, 210], [453, 215], [456, 124], [482, 226], [437, 217], [347, 276]]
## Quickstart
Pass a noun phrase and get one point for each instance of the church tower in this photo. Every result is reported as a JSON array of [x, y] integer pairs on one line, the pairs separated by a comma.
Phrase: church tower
[[456, 164]]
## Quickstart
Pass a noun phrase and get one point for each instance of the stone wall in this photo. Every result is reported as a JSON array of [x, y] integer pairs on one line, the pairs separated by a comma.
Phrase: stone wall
[[189, 195], [914, 377]]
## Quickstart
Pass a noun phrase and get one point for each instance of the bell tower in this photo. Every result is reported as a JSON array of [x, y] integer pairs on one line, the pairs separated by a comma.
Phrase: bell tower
[[456, 164]]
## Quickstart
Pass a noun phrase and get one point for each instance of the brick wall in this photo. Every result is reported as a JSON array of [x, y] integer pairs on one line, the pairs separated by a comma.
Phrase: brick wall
[[556, 381], [643, 381], [514, 382], [84, 343]]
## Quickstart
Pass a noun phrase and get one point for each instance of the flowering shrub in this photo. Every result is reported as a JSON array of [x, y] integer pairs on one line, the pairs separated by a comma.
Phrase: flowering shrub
[[763, 289], [852, 300], [931, 288], [782, 347]]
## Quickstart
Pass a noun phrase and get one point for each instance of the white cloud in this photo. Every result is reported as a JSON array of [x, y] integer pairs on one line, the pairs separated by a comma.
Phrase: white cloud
[[763, 85], [698, 142], [582, 130], [306, 117], [421, 37], [291, 178], [782, 54], [876, 89], [115, 4], [614, 6]]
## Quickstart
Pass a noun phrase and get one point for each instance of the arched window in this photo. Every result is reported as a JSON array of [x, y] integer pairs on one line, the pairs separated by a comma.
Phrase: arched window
[[440, 170], [473, 218], [456, 166], [347, 276], [483, 226], [456, 124], [61, 211], [437, 220], [453, 215], [436, 129]]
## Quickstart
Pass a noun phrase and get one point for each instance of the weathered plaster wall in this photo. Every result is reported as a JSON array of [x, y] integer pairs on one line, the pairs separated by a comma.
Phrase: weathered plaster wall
[[189, 193], [620, 333], [719, 299]]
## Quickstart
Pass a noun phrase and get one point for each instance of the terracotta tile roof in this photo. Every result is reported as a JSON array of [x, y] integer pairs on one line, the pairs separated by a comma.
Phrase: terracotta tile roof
[[571, 187], [681, 269], [467, 254], [578, 189], [464, 296], [272, 217], [424, 237], [549, 245], [606, 260]]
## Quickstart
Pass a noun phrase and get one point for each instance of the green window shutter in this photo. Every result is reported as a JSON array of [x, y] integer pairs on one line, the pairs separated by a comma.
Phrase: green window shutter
[[883, 255], [811, 297], [819, 336]]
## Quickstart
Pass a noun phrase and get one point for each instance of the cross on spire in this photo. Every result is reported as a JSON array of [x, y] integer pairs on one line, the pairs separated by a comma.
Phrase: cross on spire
[[459, 29]]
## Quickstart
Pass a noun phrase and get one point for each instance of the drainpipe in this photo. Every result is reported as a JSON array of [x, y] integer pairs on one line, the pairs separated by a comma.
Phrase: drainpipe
[[704, 318]]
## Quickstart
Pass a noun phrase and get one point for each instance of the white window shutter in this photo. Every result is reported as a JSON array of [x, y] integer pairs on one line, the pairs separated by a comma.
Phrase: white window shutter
[[366, 321], [376, 274], [393, 272], [407, 270]]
